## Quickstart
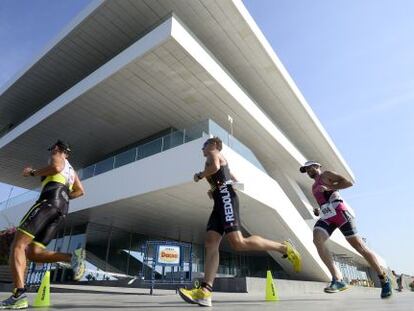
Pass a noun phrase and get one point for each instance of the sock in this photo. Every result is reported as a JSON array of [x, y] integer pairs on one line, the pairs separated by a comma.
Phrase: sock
[[383, 277], [284, 256], [207, 286], [17, 292]]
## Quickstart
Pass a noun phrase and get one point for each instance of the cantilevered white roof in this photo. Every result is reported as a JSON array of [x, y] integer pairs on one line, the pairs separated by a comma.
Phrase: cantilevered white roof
[[224, 27], [166, 79]]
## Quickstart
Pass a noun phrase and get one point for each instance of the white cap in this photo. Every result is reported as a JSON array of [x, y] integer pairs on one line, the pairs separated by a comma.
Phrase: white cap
[[307, 164]]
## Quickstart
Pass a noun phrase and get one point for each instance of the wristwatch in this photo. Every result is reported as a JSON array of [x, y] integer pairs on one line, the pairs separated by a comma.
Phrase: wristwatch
[[32, 172], [199, 175]]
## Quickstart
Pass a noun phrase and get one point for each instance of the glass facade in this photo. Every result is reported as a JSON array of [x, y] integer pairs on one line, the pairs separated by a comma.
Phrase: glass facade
[[112, 249], [352, 272]]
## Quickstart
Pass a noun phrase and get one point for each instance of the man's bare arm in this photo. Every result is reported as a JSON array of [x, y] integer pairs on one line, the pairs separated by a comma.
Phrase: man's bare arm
[[212, 165], [57, 164], [233, 178], [335, 181], [78, 189]]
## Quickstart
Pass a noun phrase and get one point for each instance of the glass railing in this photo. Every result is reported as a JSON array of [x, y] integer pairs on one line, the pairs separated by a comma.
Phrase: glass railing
[[205, 128], [140, 152]]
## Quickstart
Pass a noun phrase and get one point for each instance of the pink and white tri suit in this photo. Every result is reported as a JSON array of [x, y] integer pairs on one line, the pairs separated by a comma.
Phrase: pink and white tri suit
[[334, 213]]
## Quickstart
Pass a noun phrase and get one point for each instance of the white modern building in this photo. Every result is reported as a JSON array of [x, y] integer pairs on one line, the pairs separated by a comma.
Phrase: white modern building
[[136, 87]]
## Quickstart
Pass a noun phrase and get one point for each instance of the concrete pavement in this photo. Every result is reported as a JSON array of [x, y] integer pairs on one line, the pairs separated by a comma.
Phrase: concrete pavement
[[167, 300]]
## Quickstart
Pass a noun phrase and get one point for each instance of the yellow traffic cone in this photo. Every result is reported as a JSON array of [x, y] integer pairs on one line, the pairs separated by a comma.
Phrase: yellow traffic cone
[[271, 290], [43, 294]]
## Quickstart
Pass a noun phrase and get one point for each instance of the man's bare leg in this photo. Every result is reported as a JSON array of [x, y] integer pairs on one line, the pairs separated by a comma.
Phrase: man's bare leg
[[18, 259], [212, 245], [319, 239], [254, 243], [39, 254], [359, 245]]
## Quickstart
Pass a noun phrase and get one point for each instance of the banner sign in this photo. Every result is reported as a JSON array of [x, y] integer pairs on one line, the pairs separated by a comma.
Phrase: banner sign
[[168, 255]]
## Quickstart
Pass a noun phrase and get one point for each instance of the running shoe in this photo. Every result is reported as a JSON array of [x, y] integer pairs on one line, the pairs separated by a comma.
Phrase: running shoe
[[78, 263], [196, 296], [293, 256], [13, 303], [386, 290], [336, 286]]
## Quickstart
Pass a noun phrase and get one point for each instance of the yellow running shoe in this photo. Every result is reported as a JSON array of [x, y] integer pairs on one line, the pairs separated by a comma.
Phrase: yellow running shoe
[[293, 256], [196, 296], [78, 263]]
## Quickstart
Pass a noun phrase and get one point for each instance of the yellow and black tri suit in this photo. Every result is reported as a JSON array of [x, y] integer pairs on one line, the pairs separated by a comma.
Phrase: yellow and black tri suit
[[43, 219]]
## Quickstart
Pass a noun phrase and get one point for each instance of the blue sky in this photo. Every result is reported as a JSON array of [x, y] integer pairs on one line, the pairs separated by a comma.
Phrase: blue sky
[[352, 60]]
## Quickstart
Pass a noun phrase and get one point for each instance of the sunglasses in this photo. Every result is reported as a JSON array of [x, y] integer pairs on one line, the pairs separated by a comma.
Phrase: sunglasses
[[204, 146], [313, 165], [52, 148]]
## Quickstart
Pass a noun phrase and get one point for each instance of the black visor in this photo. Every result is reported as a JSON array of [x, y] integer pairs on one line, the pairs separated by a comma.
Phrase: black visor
[[64, 147]]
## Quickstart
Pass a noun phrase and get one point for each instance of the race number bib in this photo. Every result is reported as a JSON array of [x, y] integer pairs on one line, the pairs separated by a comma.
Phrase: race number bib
[[328, 211]]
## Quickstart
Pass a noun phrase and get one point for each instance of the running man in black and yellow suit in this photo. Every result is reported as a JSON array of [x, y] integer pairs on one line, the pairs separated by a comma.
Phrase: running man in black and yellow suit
[[38, 227]]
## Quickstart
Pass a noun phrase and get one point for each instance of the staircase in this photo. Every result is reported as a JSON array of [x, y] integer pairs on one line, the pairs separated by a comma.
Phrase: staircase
[[101, 264]]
